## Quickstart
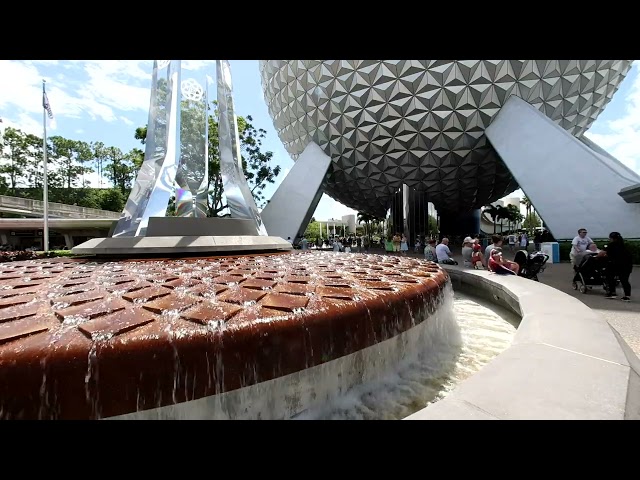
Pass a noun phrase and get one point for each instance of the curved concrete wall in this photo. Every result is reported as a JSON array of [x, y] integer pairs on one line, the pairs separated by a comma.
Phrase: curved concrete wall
[[565, 362]]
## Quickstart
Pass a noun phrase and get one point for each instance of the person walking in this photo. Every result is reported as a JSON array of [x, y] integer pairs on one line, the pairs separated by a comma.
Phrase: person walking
[[404, 246], [396, 240], [620, 264]]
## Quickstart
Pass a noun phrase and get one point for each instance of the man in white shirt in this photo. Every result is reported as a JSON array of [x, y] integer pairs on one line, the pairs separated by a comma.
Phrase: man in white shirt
[[579, 245], [444, 254]]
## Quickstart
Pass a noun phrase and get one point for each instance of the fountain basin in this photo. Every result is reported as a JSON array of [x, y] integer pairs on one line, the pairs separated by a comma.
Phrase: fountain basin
[[82, 339], [566, 362]]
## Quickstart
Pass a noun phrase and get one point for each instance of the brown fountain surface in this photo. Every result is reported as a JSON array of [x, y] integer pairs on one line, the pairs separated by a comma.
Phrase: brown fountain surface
[[91, 339]]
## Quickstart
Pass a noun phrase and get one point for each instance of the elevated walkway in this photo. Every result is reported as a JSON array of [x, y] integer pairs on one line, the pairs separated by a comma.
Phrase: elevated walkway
[[35, 208]]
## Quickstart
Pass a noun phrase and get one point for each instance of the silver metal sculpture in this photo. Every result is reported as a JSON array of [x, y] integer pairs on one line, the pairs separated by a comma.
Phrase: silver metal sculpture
[[239, 198], [176, 153], [153, 187], [192, 176]]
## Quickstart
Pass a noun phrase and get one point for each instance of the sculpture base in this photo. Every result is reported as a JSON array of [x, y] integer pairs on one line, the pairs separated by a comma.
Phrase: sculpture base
[[197, 227], [172, 245]]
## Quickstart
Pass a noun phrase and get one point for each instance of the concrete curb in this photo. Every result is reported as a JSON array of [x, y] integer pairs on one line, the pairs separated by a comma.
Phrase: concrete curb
[[565, 361]]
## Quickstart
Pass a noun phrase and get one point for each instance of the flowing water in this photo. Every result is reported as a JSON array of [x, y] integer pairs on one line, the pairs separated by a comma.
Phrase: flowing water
[[475, 331]]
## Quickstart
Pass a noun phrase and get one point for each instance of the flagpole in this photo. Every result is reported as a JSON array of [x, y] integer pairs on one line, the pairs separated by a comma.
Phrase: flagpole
[[45, 193]]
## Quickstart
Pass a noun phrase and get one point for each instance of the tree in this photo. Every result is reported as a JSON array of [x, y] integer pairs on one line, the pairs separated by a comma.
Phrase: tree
[[432, 225], [118, 168], [531, 222], [367, 219], [527, 204], [498, 213], [112, 199], [71, 155], [313, 231], [513, 216], [98, 154], [15, 153]]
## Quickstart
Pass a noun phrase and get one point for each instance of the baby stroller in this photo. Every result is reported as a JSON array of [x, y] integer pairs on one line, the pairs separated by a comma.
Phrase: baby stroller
[[590, 273], [531, 264]]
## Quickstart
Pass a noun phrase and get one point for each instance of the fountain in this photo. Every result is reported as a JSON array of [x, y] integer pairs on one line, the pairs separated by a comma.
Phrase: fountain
[[87, 339], [248, 329]]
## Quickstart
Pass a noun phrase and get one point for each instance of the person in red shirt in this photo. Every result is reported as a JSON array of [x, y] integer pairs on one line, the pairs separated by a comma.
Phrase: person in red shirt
[[477, 258], [498, 264]]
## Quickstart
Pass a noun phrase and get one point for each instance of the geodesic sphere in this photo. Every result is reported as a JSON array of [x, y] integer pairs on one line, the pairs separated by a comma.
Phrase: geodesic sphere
[[422, 122]]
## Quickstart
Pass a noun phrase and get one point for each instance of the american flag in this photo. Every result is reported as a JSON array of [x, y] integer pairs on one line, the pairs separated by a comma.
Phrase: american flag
[[45, 104]]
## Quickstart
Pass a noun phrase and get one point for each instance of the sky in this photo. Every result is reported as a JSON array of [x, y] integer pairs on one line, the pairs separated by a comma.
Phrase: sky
[[105, 100]]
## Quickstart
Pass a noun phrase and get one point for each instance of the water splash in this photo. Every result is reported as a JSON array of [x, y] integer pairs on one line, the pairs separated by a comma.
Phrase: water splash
[[466, 334]]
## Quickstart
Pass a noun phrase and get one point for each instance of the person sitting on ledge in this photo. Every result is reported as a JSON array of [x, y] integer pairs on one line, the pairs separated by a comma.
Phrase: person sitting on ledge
[[430, 251], [467, 252], [498, 264], [444, 254], [496, 240], [477, 258]]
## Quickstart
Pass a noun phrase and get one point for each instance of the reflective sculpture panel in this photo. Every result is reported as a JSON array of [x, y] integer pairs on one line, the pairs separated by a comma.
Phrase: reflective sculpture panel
[[177, 155], [239, 198], [152, 190]]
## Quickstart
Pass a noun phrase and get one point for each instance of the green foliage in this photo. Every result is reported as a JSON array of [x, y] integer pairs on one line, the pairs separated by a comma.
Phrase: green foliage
[[68, 162], [432, 225], [313, 231], [532, 221], [112, 199], [632, 245], [62, 253]]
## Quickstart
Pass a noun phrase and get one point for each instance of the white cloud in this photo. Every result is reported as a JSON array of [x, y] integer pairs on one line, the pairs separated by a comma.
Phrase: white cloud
[[25, 123], [198, 64], [79, 131], [621, 137], [110, 86], [126, 120]]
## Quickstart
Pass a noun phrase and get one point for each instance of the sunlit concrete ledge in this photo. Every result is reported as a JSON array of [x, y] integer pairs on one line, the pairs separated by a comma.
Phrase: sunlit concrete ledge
[[565, 361]]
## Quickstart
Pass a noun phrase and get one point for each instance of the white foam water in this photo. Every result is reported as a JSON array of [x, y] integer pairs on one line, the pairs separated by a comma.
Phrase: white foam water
[[485, 330]]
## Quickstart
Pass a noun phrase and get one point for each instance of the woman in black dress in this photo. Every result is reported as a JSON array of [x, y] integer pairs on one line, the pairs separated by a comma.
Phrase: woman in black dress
[[620, 264]]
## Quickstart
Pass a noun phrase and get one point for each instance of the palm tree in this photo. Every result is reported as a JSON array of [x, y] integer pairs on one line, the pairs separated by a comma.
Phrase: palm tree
[[497, 212], [513, 213], [365, 218], [527, 204]]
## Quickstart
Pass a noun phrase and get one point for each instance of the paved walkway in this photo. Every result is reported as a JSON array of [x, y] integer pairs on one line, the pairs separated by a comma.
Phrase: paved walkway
[[623, 316]]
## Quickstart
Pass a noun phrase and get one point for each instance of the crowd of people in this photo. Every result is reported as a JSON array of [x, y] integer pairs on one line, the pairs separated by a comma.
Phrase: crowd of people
[[614, 254]]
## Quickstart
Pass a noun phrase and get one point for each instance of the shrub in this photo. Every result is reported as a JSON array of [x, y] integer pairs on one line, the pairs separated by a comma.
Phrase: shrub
[[17, 256], [632, 245]]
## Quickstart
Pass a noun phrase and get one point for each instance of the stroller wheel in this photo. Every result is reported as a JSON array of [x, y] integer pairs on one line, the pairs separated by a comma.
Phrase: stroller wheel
[[574, 285], [583, 289]]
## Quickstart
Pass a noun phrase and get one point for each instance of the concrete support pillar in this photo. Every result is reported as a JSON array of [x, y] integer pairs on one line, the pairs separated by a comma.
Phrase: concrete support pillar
[[68, 240]]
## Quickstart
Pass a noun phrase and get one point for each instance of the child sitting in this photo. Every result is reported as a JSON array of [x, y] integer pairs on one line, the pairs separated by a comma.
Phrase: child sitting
[[497, 263]]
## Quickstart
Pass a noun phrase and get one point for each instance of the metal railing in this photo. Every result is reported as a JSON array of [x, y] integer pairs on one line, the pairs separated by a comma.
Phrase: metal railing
[[36, 207]]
